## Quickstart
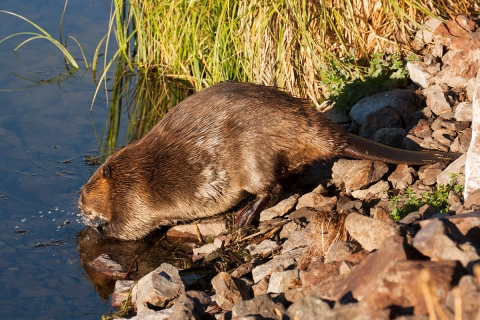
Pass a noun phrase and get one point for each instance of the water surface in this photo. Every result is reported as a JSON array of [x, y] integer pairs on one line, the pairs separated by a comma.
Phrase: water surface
[[45, 129]]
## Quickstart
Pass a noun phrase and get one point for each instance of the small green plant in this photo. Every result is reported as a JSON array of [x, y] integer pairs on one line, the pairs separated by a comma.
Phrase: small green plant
[[410, 202], [349, 80]]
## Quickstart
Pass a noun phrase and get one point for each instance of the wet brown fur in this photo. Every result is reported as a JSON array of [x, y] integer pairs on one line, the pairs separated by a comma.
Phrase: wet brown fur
[[206, 155]]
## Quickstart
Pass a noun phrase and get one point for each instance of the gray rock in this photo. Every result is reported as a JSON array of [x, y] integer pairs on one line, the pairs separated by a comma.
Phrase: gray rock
[[441, 240], [281, 281], [262, 305], [280, 209], [204, 250], [378, 190], [425, 35], [307, 308], [444, 136], [376, 102], [341, 250], [276, 264], [316, 201], [432, 144], [428, 174], [370, 233], [464, 111], [386, 117], [357, 174], [121, 292], [402, 177], [412, 143], [264, 247], [155, 315], [229, 290], [462, 142], [158, 289], [419, 74], [190, 305], [438, 103], [392, 137], [298, 239], [208, 228], [455, 168]]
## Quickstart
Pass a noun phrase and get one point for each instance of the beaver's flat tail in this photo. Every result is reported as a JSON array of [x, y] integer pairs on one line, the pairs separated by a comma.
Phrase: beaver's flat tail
[[361, 148]]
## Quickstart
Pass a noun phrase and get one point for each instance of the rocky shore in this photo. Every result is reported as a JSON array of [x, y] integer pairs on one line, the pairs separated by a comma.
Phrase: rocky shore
[[334, 251]]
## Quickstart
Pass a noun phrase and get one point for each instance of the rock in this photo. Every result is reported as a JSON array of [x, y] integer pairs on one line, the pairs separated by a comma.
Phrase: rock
[[357, 174], [190, 279], [345, 204], [440, 240], [229, 290], [378, 190], [274, 265], [378, 101], [425, 35], [401, 286], [473, 200], [444, 136], [432, 144], [204, 250], [362, 280], [384, 118], [418, 73], [280, 209], [462, 142], [456, 168], [422, 129], [281, 281], [472, 163], [106, 266], [464, 111], [303, 214], [298, 239], [402, 177], [317, 201], [190, 305], [262, 305], [437, 102], [156, 315], [157, 289], [467, 223], [261, 287], [411, 217], [222, 241], [307, 308], [428, 174], [208, 228], [468, 294], [242, 270], [263, 248], [341, 250], [289, 228], [454, 201], [121, 292], [392, 137], [370, 233]]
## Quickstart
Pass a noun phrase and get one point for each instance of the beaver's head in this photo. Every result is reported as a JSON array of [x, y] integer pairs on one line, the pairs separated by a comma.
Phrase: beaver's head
[[94, 201]]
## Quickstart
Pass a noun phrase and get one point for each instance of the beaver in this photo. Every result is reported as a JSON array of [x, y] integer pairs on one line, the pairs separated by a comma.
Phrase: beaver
[[220, 146]]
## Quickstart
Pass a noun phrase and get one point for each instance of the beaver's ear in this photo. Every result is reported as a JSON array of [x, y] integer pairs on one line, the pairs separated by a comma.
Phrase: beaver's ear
[[105, 172]]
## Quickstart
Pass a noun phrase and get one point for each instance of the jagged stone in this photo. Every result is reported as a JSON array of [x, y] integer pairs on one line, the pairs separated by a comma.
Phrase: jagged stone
[[276, 264], [386, 117], [158, 289], [264, 247], [281, 281], [357, 174], [262, 305], [440, 240], [208, 228], [341, 250], [402, 177], [317, 201], [392, 137], [191, 305], [280, 209], [370, 233], [229, 290]]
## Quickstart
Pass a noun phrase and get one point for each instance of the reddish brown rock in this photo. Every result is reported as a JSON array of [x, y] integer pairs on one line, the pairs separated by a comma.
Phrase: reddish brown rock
[[402, 177], [363, 279], [401, 285], [357, 174], [317, 201], [229, 290]]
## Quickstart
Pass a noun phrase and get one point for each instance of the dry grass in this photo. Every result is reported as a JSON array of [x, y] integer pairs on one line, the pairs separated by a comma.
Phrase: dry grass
[[327, 228]]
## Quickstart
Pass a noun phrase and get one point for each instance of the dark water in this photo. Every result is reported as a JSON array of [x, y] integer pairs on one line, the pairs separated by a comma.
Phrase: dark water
[[45, 129]]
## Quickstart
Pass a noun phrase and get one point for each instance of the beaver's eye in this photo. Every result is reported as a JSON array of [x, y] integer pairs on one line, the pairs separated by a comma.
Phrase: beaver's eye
[[86, 191]]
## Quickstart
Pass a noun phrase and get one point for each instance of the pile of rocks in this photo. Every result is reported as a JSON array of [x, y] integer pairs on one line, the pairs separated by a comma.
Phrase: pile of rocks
[[426, 264]]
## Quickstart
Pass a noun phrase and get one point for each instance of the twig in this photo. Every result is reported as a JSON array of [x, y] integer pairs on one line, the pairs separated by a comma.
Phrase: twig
[[130, 268]]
